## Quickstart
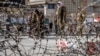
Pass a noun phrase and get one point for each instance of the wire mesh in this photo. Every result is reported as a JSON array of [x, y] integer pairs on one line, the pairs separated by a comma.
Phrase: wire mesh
[[18, 40]]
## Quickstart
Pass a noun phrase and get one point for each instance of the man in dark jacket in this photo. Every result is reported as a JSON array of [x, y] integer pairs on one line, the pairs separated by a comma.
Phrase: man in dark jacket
[[8, 23]]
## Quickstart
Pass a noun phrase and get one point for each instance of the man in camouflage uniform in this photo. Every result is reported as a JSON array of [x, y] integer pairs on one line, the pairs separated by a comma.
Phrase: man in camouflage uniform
[[80, 19], [61, 16], [34, 22], [38, 22]]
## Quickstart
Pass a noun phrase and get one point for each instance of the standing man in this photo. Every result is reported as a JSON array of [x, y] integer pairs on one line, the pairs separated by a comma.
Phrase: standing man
[[80, 19], [51, 22], [8, 20], [74, 23], [61, 15]]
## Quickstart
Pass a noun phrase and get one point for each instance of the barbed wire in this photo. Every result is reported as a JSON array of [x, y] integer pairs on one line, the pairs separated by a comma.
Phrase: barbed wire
[[14, 3], [16, 48]]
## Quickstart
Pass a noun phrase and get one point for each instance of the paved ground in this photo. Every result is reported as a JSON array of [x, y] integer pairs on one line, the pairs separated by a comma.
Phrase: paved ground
[[47, 46]]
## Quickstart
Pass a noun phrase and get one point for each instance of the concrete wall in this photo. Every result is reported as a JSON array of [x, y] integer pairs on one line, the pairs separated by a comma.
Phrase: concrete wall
[[71, 6]]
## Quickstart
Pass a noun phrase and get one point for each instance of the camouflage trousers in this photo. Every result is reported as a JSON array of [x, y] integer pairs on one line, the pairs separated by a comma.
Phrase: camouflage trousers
[[79, 29]]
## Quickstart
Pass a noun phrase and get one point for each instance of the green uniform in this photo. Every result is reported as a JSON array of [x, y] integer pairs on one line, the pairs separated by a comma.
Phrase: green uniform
[[80, 20], [61, 17]]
